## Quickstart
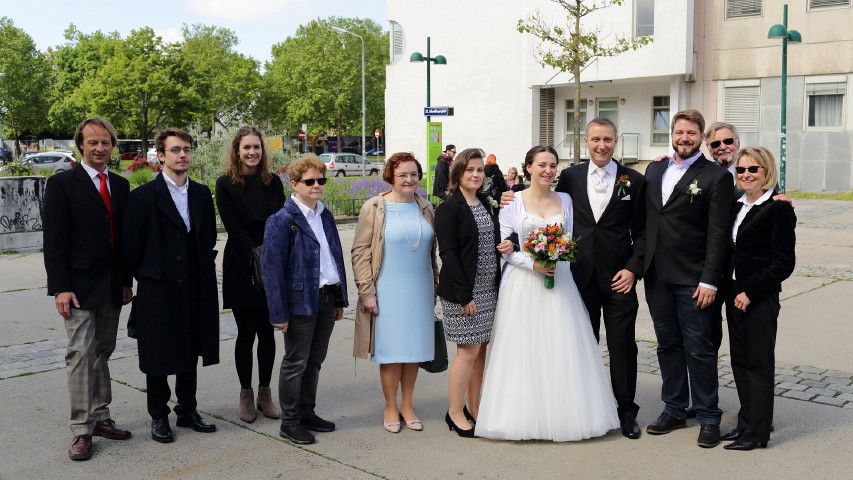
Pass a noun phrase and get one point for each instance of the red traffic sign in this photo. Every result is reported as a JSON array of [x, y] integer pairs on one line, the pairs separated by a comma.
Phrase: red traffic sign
[[301, 135], [376, 133]]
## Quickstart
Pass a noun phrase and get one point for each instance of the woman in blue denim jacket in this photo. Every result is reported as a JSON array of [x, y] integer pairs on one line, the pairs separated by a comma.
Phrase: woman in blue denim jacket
[[305, 283]]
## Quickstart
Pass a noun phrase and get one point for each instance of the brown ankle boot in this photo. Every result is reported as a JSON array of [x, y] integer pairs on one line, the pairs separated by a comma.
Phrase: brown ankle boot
[[265, 403], [247, 409]]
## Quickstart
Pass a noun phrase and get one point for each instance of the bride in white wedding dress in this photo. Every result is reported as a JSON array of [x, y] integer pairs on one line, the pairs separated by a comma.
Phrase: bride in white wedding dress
[[544, 376]]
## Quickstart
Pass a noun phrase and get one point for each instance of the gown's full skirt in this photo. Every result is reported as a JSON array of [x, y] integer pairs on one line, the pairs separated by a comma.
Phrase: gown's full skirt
[[544, 375]]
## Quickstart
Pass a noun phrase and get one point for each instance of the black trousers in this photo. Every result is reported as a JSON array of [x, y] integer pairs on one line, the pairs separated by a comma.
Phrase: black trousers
[[620, 317], [752, 339], [158, 393]]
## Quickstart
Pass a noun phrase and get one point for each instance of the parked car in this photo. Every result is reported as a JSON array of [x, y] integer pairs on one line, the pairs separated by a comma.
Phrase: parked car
[[376, 152], [5, 155], [343, 164], [55, 160]]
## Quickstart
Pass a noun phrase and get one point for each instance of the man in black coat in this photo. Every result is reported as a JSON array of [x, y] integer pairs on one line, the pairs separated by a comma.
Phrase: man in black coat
[[687, 205], [442, 172], [607, 203], [83, 213], [170, 235]]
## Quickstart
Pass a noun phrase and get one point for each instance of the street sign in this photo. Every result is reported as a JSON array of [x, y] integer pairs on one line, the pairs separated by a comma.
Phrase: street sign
[[376, 133], [438, 111], [301, 135]]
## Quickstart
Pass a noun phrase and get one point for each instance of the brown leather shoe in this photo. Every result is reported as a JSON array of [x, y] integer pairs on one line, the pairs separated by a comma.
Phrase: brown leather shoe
[[81, 449], [108, 429]]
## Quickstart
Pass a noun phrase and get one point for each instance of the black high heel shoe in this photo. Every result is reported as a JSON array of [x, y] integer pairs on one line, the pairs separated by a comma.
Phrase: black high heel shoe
[[452, 426], [468, 415]]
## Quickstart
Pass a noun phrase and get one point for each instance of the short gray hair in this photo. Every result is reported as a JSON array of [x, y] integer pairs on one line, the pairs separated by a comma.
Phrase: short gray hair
[[719, 126]]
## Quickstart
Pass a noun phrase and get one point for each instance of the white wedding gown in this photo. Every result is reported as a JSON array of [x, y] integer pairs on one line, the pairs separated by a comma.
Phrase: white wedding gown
[[544, 375]]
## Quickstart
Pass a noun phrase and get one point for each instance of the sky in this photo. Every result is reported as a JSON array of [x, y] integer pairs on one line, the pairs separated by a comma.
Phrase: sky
[[259, 24]]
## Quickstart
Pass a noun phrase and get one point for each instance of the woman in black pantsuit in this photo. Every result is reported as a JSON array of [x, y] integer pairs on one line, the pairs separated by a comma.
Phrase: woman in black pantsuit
[[246, 195], [762, 241]]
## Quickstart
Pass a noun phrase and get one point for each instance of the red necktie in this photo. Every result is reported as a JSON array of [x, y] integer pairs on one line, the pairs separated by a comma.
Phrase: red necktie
[[105, 196]]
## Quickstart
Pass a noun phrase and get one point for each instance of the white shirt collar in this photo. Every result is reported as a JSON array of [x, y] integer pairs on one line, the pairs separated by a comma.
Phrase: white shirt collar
[[318, 209], [174, 186], [91, 171], [685, 164], [610, 168], [760, 200]]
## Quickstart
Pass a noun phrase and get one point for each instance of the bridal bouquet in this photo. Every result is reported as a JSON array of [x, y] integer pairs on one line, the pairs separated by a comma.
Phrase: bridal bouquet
[[549, 245]]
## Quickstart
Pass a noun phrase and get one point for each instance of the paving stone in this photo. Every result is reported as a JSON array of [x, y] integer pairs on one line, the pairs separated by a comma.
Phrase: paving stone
[[810, 376], [785, 371], [829, 401], [837, 373], [787, 366], [778, 391], [814, 383], [792, 386], [788, 378], [14, 366], [10, 373], [647, 369], [822, 391], [841, 388], [847, 397], [807, 369], [848, 405], [798, 395], [838, 380]]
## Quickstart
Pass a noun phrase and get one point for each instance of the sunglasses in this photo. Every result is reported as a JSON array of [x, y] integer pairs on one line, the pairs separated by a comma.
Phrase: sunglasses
[[310, 182], [750, 169], [727, 141]]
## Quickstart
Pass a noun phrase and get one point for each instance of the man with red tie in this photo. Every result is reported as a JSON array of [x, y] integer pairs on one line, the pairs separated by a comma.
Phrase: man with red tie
[[83, 212]]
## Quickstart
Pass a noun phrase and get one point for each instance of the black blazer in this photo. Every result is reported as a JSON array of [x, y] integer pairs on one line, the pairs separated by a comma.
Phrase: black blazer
[[77, 253], [157, 251], [244, 211], [617, 240], [686, 239], [763, 255], [458, 239]]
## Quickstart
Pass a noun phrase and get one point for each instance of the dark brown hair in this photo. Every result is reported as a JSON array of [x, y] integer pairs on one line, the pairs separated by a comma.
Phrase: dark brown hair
[[460, 163], [528, 157], [394, 161], [101, 122], [690, 115], [161, 136], [232, 161]]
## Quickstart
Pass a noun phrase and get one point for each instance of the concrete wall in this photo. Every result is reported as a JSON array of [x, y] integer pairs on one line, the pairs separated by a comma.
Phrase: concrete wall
[[21, 213]]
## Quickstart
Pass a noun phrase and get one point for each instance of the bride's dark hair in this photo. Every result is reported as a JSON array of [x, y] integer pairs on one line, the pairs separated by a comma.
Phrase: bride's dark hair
[[528, 158]]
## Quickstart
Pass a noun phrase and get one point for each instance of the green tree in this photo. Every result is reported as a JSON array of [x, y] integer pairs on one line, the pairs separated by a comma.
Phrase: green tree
[[24, 83], [143, 87], [227, 82], [569, 47], [315, 78], [79, 58]]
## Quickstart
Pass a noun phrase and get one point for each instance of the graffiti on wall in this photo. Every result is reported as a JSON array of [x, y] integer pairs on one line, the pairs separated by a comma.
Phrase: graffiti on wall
[[20, 204]]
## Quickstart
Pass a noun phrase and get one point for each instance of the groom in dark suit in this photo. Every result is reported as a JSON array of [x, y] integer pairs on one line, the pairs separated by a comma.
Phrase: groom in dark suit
[[687, 204], [607, 202]]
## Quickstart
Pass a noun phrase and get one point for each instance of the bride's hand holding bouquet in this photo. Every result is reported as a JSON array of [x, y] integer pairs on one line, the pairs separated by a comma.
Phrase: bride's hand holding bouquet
[[548, 245]]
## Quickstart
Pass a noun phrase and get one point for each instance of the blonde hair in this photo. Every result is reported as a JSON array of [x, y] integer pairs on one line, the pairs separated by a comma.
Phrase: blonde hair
[[764, 158], [303, 164]]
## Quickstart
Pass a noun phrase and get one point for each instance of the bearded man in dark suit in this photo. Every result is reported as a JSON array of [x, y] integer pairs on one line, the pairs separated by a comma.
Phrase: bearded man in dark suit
[[687, 204]]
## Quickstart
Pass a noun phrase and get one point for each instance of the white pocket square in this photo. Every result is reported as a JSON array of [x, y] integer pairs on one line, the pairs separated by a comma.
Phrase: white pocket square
[[626, 197]]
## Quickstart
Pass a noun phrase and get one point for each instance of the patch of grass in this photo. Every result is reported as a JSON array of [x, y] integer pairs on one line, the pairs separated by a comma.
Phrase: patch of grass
[[821, 196], [8, 252]]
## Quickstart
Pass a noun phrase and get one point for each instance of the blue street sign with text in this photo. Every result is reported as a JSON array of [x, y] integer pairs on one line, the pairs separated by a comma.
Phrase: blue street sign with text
[[438, 111]]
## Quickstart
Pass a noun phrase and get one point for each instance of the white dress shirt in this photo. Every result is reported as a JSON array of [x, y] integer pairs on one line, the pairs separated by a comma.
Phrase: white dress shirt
[[598, 200], [328, 271], [744, 209], [180, 195], [93, 174], [674, 172]]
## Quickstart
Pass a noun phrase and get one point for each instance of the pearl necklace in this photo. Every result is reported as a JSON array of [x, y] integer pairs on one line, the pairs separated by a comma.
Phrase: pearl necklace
[[409, 243]]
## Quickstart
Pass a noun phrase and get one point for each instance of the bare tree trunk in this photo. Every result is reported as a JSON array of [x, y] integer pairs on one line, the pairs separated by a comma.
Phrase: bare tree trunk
[[576, 72]]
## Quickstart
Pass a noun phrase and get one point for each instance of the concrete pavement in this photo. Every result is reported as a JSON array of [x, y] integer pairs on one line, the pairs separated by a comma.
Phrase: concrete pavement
[[814, 410]]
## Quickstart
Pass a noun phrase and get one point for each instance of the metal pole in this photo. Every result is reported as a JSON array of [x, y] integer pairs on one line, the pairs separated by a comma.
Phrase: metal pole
[[363, 108], [428, 60], [782, 140]]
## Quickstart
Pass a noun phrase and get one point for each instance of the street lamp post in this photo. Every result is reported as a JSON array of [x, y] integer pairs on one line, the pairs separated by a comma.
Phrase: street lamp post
[[363, 108], [438, 60], [787, 36]]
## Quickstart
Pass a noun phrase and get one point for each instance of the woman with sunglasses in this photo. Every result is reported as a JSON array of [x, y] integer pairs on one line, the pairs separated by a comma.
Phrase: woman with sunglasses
[[306, 287], [762, 241], [395, 269], [246, 195]]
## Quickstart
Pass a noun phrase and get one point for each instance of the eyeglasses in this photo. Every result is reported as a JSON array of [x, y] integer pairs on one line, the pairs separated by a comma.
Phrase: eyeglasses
[[717, 143], [405, 176], [309, 182], [750, 169], [178, 150]]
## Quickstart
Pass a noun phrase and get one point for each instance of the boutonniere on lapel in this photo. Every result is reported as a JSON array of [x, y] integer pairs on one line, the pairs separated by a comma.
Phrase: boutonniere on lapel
[[623, 183], [693, 190]]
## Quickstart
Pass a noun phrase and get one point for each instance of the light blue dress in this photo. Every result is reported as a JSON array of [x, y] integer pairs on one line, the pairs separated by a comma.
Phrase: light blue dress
[[404, 289]]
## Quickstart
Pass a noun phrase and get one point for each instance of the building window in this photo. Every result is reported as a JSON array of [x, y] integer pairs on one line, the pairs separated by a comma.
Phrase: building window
[[743, 8], [570, 116], [660, 120], [825, 104], [644, 18], [813, 4], [609, 108], [741, 107], [398, 41], [546, 116]]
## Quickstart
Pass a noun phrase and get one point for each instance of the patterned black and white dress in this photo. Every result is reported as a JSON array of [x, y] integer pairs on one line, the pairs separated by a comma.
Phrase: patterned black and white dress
[[470, 330]]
